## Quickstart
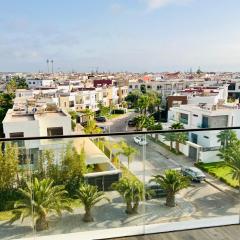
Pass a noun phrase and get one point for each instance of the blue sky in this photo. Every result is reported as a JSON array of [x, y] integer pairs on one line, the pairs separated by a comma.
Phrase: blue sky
[[119, 35]]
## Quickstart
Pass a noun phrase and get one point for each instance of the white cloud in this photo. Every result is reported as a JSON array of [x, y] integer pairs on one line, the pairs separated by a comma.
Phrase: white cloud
[[155, 4]]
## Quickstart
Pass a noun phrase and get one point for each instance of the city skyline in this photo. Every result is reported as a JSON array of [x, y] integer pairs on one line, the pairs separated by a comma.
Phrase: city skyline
[[108, 35]]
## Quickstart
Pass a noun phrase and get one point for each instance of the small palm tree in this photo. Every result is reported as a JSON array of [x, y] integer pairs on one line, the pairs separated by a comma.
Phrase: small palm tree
[[132, 192], [92, 128], [128, 151], [39, 199], [89, 196], [177, 125], [89, 114], [227, 137], [172, 182]]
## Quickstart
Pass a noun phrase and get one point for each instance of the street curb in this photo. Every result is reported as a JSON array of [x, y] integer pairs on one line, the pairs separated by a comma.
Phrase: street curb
[[213, 185], [220, 189]]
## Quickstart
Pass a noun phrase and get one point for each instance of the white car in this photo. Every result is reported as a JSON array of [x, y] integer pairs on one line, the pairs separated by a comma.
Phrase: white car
[[140, 141]]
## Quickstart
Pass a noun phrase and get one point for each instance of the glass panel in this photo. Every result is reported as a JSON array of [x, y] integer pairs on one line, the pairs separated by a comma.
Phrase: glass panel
[[16, 212], [212, 189], [63, 174]]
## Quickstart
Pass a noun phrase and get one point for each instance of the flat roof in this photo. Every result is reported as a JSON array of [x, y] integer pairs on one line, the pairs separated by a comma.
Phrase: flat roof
[[49, 114], [12, 116]]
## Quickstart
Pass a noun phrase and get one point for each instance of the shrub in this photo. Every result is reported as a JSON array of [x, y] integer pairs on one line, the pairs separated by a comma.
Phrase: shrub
[[118, 111]]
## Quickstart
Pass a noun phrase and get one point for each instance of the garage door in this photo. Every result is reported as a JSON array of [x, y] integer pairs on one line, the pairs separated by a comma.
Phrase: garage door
[[193, 153]]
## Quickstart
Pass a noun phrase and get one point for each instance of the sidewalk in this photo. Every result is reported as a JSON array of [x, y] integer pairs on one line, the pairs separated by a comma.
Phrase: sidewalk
[[182, 160]]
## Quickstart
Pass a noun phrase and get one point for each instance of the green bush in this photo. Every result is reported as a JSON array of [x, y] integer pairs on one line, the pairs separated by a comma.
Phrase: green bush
[[118, 111], [8, 198]]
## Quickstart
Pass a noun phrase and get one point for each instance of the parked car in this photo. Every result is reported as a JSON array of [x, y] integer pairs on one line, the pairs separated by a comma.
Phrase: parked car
[[153, 191], [101, 119], [131, 123], [140, 141], [194, 174]]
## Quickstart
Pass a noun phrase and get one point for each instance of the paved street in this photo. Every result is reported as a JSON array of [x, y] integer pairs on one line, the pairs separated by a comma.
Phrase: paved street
[[208, 200], [119, 124]]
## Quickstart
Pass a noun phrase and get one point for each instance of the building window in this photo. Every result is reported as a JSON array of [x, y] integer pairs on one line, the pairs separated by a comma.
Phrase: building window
[[149, 87], [136, 86], [20, 143], [205, 122], [194, 138], [183, 118], [16, 134], [71, 103], [25, 159], [55, 131], [130, 86], [33, 82]]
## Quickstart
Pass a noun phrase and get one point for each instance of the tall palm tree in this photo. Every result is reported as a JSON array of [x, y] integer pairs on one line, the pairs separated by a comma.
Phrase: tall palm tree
[[143, 103], [127, 151], [170, 137], [180, 137], [227, 137], [132, 192], [172, 182], [89, 196], [176, 137], [231, 156], [40, 198]]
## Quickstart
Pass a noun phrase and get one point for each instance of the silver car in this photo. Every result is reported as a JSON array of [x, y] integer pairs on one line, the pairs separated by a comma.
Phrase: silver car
[[194, 174]]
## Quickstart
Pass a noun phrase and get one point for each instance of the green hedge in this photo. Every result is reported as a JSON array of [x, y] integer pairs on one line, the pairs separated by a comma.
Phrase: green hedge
[[220, 171], [118, 111]]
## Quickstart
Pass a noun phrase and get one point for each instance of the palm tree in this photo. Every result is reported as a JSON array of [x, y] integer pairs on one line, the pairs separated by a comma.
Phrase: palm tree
[[89, 196], [170, 137], [92, 128], [227, 137], [127, 151], [231, 157], [180, 137], [143, 103], [177, 125], [132, 192], [172, 182], [154, 101], [89, 113], [39, 199]]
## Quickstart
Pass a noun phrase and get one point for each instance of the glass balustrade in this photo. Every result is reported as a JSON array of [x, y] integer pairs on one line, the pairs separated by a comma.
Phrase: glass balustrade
[[110, 185]]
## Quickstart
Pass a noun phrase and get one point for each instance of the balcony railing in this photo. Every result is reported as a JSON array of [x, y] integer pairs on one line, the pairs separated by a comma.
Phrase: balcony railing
[[53, 196]]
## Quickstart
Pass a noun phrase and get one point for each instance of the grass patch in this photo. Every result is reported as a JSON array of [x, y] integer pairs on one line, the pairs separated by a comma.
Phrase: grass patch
[[112, 116], [220, 171], [6, 215]]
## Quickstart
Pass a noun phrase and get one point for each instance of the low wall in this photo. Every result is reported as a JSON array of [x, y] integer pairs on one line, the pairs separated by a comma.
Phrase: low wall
[[209, 156]]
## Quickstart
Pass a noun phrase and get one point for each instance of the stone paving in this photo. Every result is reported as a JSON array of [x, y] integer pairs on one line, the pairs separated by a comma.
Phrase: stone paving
[[106, 215]]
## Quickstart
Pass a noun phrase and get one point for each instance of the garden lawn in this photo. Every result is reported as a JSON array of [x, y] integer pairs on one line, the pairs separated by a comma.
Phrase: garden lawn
[[6, 215], [112, 116], [221, 171]]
